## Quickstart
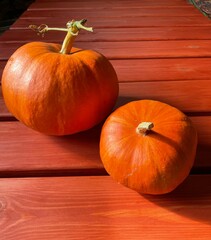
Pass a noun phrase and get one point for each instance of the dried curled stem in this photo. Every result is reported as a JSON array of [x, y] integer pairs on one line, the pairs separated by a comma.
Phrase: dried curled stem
[[43, 28], [73, 27]]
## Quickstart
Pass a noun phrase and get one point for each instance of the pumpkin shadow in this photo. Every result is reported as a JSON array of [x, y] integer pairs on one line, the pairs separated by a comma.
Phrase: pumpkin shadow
[[122, 100], [192, 199], [202, 163], [81, 152]]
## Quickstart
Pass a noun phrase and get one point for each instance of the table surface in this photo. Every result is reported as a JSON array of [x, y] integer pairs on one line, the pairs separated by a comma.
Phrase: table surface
[[56, 187]]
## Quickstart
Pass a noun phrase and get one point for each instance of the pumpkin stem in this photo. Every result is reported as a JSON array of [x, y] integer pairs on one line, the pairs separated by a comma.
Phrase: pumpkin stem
[[73, 28], [144, 127]]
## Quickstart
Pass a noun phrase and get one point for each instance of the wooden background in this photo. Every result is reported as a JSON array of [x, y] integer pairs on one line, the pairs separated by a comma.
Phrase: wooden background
[[56, 187]]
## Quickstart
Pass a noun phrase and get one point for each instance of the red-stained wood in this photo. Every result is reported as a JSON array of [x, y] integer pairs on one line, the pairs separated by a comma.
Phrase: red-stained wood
[[133, 50], [176, 93], [148, 70], [112, 34], [39, 5], [3, 109], [166, 2], [115, 22], [24, 152], [188, 96], [99, 208], [119, 12], [139, 70], [160, 50]]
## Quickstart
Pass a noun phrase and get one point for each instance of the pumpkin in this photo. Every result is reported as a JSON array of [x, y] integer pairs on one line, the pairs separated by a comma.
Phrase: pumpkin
[[59, 90], [148, 146]]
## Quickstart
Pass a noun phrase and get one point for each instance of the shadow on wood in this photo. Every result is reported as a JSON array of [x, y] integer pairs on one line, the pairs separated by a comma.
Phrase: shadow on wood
[[192, 199]]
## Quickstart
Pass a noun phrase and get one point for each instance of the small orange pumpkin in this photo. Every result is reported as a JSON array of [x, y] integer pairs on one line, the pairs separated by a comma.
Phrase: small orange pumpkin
[[148, 146], [59, 92]]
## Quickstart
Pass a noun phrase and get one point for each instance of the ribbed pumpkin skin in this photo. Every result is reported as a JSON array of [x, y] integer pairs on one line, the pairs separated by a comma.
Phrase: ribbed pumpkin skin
[[153, 164], [58, 94]]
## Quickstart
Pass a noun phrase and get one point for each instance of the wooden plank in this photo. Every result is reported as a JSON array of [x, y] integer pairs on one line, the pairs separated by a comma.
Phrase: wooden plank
[[203, 154], [166, 2], [106, 4], [189, 96], [147, 70], [4, 114], [181, 94], [134, 50], [99, 208], [113, 12], [113, 34], [24, 152], [115, 22], [162, 70]]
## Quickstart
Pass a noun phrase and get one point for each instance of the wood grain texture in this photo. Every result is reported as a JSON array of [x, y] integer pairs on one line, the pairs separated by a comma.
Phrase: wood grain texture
[[26, 152], [175, 93], [99, 208], [160, 50], [106, 4], [84, 12], [117, 14], [110, 34], [133, 50], [145, 70], [114, 22]]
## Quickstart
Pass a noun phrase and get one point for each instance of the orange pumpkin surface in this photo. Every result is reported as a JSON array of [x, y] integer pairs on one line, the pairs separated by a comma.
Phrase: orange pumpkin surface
[[148, 146], [59, 93]]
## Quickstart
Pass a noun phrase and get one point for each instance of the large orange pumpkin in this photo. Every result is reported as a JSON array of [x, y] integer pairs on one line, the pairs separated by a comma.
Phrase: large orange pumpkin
[[148, 146], [59, 92]]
